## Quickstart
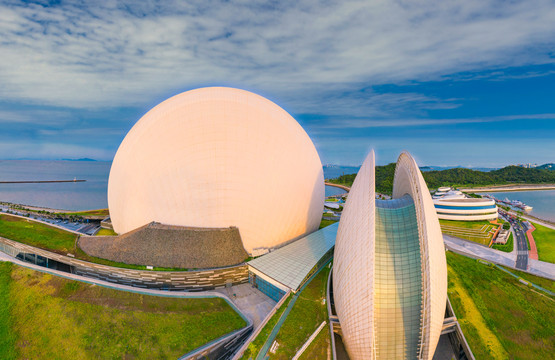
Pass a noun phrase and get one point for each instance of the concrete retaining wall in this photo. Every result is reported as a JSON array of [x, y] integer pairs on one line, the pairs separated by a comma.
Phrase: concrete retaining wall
[[198, 280]]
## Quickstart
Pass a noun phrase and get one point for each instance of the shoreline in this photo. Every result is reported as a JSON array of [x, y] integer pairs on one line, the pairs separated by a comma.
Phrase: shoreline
[[39, 208], [510, 188], [346, 188]]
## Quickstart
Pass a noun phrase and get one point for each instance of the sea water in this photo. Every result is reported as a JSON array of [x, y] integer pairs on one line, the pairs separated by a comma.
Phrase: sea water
[[91, 194], [542, 201]]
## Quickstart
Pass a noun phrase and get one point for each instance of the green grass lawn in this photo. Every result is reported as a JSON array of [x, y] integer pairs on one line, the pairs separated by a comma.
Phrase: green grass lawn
[[468, 230], [7, 337], [254, 347], [49, 317], [501, 318], [320, 347], [106, 232], [538, 280], [97, 212], [56, 240], [508, 247], [475, 225], [306, 315], [325, 223], [37, 234], [545, 242]]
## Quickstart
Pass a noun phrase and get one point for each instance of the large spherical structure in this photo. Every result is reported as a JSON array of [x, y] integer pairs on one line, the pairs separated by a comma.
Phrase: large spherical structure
[[218, 157]]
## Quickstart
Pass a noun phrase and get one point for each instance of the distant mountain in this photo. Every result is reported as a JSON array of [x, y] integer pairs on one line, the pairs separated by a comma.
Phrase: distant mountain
[[82, 159], [459, 177], [439, 168], [549, 166]]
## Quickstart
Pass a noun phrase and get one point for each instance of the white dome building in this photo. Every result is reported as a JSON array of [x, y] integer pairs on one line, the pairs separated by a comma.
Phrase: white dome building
[[219, 157]]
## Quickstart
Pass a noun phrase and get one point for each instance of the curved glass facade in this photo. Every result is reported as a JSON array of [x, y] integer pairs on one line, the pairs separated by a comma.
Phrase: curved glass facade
[[398, 280]]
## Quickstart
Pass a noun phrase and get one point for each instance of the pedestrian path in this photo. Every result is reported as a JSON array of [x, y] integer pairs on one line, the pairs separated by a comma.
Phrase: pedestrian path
[[155, 292], [468, 248], [533, 253]]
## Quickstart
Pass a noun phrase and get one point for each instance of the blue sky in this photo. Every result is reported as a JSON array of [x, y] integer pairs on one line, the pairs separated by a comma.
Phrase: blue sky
[[468, 83]]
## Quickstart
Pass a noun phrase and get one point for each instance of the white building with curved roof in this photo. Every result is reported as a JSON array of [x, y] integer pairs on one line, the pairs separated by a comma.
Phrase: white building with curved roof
[[390, 272], [218, 157], [466, 209], [453, 204]]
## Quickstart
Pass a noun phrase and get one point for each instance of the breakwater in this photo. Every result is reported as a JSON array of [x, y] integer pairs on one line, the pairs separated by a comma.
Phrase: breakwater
[[40, 181]]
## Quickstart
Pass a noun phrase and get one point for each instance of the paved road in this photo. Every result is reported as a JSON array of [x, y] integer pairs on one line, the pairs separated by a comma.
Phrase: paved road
[[475, 250], [521, 245]]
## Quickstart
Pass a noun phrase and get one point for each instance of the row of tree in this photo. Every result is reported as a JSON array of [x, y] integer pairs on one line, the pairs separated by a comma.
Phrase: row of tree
[[459, 177]]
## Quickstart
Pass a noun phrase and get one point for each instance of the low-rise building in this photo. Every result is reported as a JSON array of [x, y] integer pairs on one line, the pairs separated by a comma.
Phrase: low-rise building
[[465, 209]]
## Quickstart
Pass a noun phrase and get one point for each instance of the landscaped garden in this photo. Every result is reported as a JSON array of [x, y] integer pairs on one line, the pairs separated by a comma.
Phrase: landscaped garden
[[477, 231], [507, 247], [54, 239], [544, 238], [37, 234], [49, 317], [501, 318]]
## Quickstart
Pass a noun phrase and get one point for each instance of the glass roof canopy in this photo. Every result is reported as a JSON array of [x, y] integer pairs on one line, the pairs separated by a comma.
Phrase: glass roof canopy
[[289, 265]]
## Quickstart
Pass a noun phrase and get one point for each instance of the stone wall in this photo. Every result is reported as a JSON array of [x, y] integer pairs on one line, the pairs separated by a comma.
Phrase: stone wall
[[196, 280]]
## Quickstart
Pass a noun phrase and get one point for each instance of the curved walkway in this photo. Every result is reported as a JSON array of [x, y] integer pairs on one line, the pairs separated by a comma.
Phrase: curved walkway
[[535, 267], [346, 188], [153, 292]]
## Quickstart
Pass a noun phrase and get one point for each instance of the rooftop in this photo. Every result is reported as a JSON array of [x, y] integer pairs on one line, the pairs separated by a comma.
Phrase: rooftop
[[466, 200], [289, 265]]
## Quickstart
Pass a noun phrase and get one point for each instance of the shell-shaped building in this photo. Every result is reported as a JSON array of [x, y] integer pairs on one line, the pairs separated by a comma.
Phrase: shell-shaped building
[[390, 272], [219, 157]]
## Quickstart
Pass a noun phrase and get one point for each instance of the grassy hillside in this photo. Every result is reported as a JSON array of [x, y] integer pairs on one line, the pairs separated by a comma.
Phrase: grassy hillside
[[47, 317], [7, 337], [56, 240], [544, 238], [306, 315], [36, 234], [500, 317]]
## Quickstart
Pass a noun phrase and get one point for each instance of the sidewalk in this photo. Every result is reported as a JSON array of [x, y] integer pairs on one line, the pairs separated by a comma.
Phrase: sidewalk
[[475, 250], [533, 251]]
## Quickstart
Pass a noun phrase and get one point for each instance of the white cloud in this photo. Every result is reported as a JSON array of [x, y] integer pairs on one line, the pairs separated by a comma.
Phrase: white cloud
[[101, 54], [379, 123], [39, 150]]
